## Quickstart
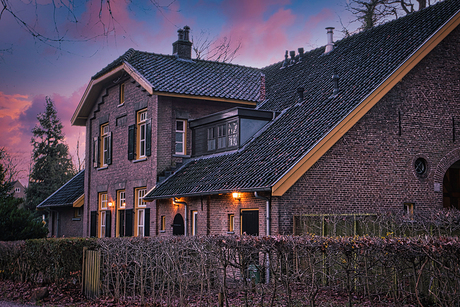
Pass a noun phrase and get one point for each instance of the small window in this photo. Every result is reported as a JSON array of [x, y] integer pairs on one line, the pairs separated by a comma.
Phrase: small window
[[420, 167], [77, 213], [121, 200], [103, 201], [163, 223], [211, 138], [103, 210], [221, 137], [122, 93], [140, 211], [194, 222], [409, 210], [17, 190], [231, 223], [181, 126], [232, 134]]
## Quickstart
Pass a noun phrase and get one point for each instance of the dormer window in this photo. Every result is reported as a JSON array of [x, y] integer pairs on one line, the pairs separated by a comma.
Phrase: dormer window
[[227, 130]]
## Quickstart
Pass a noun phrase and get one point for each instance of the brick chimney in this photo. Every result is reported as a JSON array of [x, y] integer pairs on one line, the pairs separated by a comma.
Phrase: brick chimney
[[183, 46]]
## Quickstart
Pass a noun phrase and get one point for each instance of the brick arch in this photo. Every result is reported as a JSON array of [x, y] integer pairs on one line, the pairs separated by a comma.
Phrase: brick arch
[[445, 164]]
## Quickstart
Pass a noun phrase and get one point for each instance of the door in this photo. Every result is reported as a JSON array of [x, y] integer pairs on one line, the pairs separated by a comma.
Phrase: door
[[250, 222], [178, 225]]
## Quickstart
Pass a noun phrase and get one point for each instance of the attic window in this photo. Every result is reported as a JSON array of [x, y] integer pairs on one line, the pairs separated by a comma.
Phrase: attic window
[[122, 94]]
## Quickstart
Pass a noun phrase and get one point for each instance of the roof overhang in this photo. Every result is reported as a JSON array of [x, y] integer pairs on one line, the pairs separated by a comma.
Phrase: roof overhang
[[95, 87], [79, 202], [264, 189], [323, 145]]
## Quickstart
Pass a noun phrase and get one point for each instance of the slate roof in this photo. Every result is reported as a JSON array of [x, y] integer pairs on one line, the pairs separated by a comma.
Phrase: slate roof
[[363, 61], [66, 195], [170, 74]]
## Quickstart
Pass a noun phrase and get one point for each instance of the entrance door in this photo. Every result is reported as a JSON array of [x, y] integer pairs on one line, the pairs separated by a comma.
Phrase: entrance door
[[451, 187], [178, 225], [250, 222]]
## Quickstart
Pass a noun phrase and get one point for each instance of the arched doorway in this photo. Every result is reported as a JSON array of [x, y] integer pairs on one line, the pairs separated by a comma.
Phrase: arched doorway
[[178, 225], [451, 187]]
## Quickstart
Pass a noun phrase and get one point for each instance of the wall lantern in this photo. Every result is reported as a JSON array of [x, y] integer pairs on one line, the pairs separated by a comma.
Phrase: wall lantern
[[110, 204], [236, 196]]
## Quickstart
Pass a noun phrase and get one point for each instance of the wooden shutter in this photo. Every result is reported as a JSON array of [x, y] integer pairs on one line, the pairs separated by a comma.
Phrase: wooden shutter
[[148, 138], [108, 224], [132, 142], [121, 223], [129, 229], [93, 222], [109, 149], [96, 152], [147, 222]]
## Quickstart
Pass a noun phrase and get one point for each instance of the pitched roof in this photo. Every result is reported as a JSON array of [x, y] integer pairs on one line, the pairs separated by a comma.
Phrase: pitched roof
[[369, 65], [170, 75], [66, 195]]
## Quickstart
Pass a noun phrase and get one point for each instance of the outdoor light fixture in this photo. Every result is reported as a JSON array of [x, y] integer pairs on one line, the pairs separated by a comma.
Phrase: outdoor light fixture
[[110, 204], [236, 196]]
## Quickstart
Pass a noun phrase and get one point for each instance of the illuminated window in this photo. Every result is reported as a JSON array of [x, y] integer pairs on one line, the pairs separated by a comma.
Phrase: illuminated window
[[231, 223], [232, 130], [163, 223], [181, 126]]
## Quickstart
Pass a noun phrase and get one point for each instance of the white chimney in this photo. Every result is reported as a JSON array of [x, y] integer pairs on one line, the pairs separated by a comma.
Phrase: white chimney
[[330, 40]]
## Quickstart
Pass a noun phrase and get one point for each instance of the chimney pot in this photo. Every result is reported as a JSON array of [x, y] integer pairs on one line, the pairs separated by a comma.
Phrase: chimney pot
[[300, 91], [330, 39], [335, 80], [300, 52], [183, 46]]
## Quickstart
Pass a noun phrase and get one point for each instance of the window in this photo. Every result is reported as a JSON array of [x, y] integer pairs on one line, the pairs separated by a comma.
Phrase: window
[[102, 147], [77, 212], [121, 212], [140, 137], [221, 137], [211, 138], [142, 214], [163, 223], [409, 210], [17, 190], [231, 223], [194, 215], [181, 126], [104, 216], [122, 94], [420, 166], [250, 222], [232, 130]]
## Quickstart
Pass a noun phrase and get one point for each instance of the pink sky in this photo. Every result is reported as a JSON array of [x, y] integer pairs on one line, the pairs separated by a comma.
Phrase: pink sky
[[31, 69]]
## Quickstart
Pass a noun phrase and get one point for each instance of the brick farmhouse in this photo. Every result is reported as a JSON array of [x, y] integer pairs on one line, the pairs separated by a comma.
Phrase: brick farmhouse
[[370, 123]]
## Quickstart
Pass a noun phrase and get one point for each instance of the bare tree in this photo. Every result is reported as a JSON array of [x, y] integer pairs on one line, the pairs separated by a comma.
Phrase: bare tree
[[11, 165], [374, 12], [20, 11], [214, 49]]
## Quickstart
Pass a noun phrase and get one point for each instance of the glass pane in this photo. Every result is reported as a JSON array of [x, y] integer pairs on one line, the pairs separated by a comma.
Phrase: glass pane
[[179, 148], [179, 136], [180, 125]]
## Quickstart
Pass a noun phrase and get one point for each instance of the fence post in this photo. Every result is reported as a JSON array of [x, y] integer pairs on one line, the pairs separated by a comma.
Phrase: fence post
[[91, 273]]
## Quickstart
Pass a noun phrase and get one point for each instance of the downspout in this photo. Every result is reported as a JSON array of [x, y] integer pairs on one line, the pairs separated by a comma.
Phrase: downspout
[[267, 232], [185, 209]]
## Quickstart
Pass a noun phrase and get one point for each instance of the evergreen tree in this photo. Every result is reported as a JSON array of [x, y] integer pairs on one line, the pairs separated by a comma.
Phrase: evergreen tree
[[52, 165], [15, 223]]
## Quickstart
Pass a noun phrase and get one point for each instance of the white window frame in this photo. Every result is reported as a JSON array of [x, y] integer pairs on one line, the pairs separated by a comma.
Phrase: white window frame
[[140, 222], [180, 137], [194, 222], [103, 207], [232, 137], [142, 138], [121, 199], [140, 211]]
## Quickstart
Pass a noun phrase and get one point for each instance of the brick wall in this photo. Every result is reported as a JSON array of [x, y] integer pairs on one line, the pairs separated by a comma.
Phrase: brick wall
[[371, 168], [64, 224]]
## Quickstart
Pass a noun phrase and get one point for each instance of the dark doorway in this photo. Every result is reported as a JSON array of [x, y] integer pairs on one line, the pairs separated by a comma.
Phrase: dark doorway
[[250, 222], [178, 225], [451, 187]]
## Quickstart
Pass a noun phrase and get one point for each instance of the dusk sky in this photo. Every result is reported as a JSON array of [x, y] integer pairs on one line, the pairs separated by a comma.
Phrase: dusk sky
[[31, 69]]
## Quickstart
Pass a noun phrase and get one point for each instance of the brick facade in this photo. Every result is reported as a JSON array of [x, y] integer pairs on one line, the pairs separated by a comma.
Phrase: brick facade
[[64, 223], [123, 174], [371, 168]]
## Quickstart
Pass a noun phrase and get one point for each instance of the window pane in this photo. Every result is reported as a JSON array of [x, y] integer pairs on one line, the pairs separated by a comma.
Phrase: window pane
[[180, 125], [179, 136], [211, 144], [179, 148]]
